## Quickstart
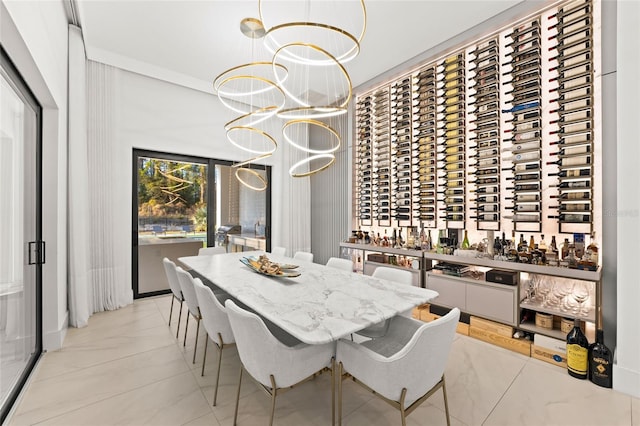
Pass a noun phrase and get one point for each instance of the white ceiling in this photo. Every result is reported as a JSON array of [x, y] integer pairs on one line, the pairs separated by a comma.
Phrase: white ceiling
[[190, 42]]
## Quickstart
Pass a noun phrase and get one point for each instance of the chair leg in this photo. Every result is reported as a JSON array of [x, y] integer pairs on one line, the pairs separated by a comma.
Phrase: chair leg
[[446, 403], [195, 347], [204, 357], [215, 393], [333, 391], [186, 328], [235, 414], [179, 318], [274, 394], [340, 393], [403, 415], [171, 310]]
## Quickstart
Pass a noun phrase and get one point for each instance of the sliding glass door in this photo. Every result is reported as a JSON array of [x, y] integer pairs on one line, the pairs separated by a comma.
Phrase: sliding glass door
[[21, 248], [182, 203]]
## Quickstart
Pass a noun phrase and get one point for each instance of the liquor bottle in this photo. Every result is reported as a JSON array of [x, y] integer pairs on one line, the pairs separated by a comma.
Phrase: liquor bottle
[[600, 362], [553, 247], [543, 245], [577, 352], [521, 244], [429, 245], [465, 241], [532, 243], [593, 250]]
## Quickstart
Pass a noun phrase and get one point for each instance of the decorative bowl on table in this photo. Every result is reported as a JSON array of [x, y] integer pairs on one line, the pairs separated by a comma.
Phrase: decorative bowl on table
[[264, 266]]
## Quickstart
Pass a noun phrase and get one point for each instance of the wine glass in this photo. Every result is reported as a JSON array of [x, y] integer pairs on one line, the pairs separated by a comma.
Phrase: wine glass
[[542, 289], [580, 294]]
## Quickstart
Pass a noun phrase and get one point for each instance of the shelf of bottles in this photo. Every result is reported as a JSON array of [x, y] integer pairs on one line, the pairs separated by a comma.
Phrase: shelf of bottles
[[424, 154], [451, 138], [522, 138], [573, 127], [484, 75], [401, 138], [363, 181], [495, 136], [382, 158]]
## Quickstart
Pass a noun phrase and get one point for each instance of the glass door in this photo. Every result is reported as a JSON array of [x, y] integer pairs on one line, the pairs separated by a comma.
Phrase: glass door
[[21, 248], [170, 215], [182, 203]]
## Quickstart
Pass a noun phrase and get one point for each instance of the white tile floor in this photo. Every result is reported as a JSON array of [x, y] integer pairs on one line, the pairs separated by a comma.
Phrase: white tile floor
[[127, 367]]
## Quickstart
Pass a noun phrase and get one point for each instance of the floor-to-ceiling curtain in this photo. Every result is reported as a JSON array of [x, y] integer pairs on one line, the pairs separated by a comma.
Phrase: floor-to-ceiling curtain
[[97, 259]]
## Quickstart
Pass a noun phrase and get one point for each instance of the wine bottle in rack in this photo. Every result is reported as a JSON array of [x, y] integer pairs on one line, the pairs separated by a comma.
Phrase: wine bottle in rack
[[524, 156], [572, 173], [525, 176], [486, 190], [523, 217], [488, 217], [574, 150], [572, 161], [486, 208], [573, 196], [573, 218], [525, 208], [522, 147], [453, 209], [573, 184]]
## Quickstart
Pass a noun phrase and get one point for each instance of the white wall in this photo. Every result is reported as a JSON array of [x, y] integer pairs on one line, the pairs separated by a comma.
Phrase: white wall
[[35, 37], [626, 374]]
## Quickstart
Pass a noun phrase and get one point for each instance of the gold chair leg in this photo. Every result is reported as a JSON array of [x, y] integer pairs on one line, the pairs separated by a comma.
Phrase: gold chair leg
[[186, 328], [340, 393], [179, 318], [446, 403], [204, 357], [333, 391], [171, 310], [274, 394], [403, 415], [235, 414], [215, 392], [195, 347]]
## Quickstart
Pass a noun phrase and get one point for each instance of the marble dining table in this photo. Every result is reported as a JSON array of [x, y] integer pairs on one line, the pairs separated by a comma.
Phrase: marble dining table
[[321, 305]]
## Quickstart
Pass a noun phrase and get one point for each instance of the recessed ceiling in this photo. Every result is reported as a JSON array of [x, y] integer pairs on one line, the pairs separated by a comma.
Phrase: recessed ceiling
[[190, 42]]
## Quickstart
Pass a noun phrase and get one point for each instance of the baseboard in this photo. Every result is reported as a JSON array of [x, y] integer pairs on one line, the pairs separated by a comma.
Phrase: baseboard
[[53, 340], [626, 381]]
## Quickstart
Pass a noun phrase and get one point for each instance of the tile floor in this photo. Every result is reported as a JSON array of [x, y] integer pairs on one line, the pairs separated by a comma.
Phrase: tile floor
[[127, 367]]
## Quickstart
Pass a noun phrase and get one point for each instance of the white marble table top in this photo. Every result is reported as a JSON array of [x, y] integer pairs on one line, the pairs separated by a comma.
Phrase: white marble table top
[[320, 306]]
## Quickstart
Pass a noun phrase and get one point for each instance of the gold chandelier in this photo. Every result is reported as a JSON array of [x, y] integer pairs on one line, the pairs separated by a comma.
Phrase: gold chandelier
[[305, 81]]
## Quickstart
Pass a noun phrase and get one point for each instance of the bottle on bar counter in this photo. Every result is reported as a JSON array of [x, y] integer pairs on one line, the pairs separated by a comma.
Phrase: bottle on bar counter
[[465, 241], [577, 352]]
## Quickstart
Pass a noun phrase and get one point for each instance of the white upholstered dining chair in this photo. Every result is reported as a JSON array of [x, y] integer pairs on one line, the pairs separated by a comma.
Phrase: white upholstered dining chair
[[278, 251], [395, 275], [274, 365], [404, 367], [216, 325], [210, 251], [305, 256], [174, 285], [189, 293], [342, 264]]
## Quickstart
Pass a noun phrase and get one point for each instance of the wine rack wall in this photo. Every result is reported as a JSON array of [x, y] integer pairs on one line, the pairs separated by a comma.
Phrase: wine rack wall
[[496, 135]]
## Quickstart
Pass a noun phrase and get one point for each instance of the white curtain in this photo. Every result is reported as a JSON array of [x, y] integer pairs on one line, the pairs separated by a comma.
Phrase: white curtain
[[97, 261]]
